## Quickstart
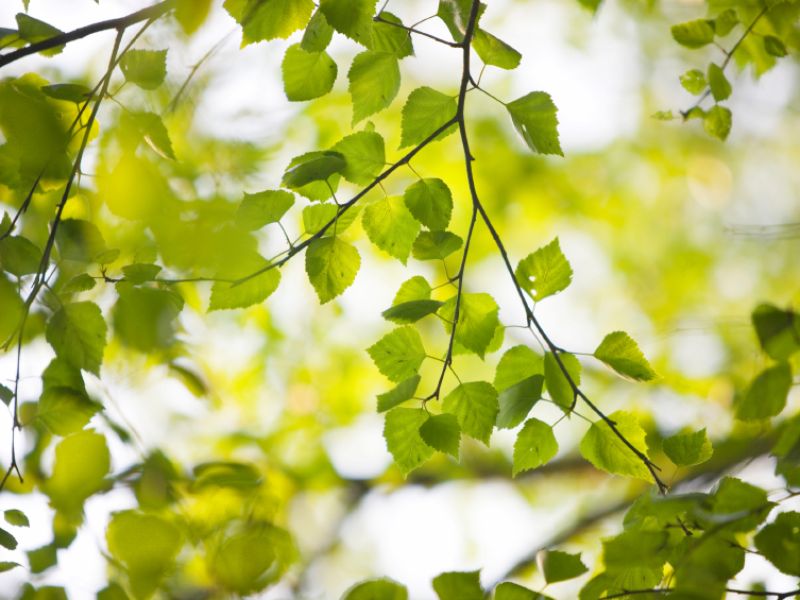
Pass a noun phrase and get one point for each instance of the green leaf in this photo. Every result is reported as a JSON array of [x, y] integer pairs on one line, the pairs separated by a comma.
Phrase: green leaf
[[364, 155], [331, 266], [399, 353], [558, 385], [317, 216], [12, 311], [411, 312], [431, 203], [694, 81], [65, 410], [391, 39], [779, 542], [516, 365], [374, 82], [77, 332], [137, 273], [458, 586], [226, 474], [7, 540], [766, 396], [416, 288], [778, 331], [353, 18], [718, 121], [561, 566], [403, 391], [41, 559], [513, 591], [425, 111], [19, 256], [686, 449], [475, 405], [80, 283], [535, 446], [113, 591], [318, 33], [146, 544], [60, 373], [70, 92], [81, 464], [442, 433], [307, 75], [144, 318], [269, 19], [313, 166], [725, 22], [191, 14], [494, 51], [606, 451], [391, 227], [249, 559], [736, 505], [535, 117], [376, 589], [263, 208], [403, 438], [517, 401], [719, 84], [455, 14], [6, 395], [477, 320], [774, 46], [544, 272], [247, 293], [620, 352], [79, 240], [145, 68], [592, 5], [33, 30], [694, 34], [435, 245], [154, 132], [16, 517]]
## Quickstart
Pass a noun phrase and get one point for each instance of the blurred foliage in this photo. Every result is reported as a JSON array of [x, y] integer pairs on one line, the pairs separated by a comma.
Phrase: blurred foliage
[[151, 266]]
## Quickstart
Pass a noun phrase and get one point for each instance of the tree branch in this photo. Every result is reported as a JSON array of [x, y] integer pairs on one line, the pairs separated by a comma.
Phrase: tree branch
[[151, 12]]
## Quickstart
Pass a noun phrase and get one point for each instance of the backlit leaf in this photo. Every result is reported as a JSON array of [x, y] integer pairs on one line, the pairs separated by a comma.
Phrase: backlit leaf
[[694, 34], [544, 272], [403, 438], [766, 395], [391, 39], [442, 433], [494, 51], [318, 33], [475, 405], [534, 116], [435, 245], [377, 589], [517, 401], [391, 227], [458, 586], [364, 155], [779, 542], [686, 449], [77, 332], [477, 320], [263, 208], [145, 68], [718, 121], [561, 566], [517, 364], [719, 84], [374, 82], [535, 446], [353, 18], [269, 19], [431, 203], [331, 266], [411, 312], [606, 451], [559, 386], [620, 352], [19, 256], [403, 391], [399, 353], [307, 75], [425, 111], [81, 465]]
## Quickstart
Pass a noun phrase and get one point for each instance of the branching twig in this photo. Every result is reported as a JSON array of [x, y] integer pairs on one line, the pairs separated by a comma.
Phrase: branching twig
[[120, 24]]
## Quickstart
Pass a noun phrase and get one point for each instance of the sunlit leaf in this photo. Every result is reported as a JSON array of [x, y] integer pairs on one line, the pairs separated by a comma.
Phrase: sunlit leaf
[[353, 18], [620, 352], [77, 332], [425, 111], [331, 266], [534, 116], [403, 391], [364, 155], [494, 51], [477, 320], [686, 449], [517, 400], [475, 405], [544, 272], [374, 82], [517, 364], [403, 438], [694, 34], [779, 542], [535, 446], [19, 256], [377, 589], [561, 566], [81, 465], [391, 227], [766, 395], [307, 75], [431, 202], [559, 385], [399, 353], [269, 19], [606, 451], [318, 33], [443, 433], [145, 68], [435, 245], [458, 586]]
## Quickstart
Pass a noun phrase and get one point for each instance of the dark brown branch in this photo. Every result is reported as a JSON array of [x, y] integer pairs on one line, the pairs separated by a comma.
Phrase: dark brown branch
[[435, 38], [151, 12]]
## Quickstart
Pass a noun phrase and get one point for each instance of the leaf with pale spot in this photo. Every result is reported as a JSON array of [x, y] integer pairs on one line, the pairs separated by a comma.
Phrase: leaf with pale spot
[[544, 272]]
